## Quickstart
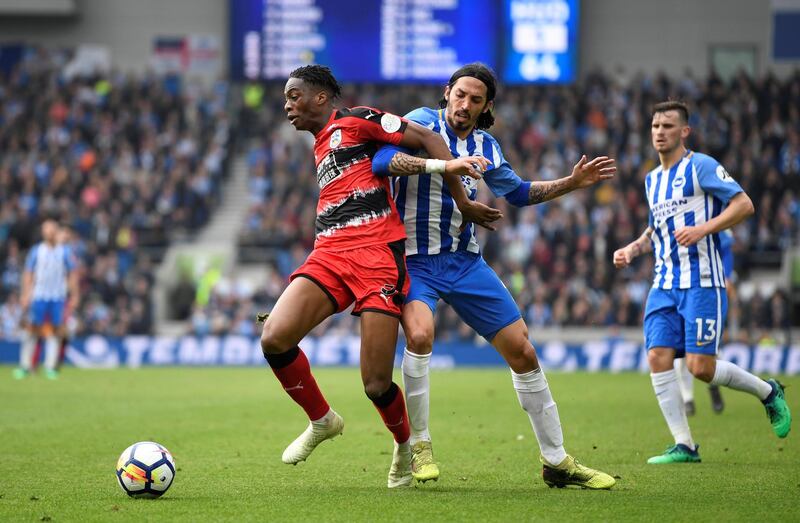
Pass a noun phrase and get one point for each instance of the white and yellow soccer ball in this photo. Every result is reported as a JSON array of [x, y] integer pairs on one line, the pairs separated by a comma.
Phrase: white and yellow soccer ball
[[145, 470]]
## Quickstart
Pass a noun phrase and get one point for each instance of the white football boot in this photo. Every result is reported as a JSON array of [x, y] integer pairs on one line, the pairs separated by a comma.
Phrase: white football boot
[[400, 471], [315, 433]]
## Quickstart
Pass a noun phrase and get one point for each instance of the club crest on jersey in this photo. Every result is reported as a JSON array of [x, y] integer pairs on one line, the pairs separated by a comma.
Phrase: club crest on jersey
[[678, 182], [390, 123], [336, 139]]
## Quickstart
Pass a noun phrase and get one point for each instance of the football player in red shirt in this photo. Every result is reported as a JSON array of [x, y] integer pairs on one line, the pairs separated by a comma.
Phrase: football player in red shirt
[[358, 256]]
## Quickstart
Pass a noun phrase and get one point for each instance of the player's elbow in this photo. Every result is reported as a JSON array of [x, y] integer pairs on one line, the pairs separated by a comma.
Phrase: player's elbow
[[745, 204], [519, 197], [750, 209]]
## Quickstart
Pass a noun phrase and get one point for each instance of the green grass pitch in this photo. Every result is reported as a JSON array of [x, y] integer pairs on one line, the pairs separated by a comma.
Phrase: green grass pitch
[[227, 428]]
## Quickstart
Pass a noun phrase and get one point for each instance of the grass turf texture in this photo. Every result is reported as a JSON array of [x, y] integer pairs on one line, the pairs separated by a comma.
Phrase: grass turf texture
[[59, 442]]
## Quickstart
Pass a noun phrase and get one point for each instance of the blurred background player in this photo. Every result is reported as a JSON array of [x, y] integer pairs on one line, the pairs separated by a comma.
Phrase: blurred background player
[[444, 262], [692, 199], [48, 279], [357, 258]]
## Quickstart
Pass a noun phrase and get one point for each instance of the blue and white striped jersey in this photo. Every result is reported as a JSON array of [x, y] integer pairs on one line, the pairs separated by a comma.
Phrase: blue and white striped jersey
[[425, 205], [50, 266], [691, 192]]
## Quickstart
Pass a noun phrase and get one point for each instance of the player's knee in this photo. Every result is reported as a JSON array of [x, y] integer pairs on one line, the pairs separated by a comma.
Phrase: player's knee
[[272, 342], [521, 356], [420, 340], [659, 361], [701, 370], [376, 387]]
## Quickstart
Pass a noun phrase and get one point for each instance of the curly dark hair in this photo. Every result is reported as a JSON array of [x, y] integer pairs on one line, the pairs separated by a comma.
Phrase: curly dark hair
[[483, 73], [320, 76]]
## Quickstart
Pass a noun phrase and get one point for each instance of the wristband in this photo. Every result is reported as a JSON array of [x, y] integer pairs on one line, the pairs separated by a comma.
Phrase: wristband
[[435, 166]]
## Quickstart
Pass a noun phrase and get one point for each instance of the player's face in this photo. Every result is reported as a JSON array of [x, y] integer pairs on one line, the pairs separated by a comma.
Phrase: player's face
[[668, 131], [49, 231], [466, 101], [302, 104]]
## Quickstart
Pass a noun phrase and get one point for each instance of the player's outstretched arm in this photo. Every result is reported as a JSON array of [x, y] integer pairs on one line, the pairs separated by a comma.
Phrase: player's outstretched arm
[[641, 245], [584, 174], [739, 208]]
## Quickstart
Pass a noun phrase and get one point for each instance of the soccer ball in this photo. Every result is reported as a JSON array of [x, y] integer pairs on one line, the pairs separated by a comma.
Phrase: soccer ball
[[145, 470]]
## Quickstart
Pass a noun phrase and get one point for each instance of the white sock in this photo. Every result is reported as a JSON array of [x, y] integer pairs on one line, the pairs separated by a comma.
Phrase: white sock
[[729, 375], [324, 420], [418, 391], [685, 380], [51, 350], [26, 351], [668, 394], [535, 398]]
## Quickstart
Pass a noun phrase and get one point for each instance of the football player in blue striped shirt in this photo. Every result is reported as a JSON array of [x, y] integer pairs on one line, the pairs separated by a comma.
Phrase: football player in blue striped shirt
[[49, 279], [692, 198], [444, 262]]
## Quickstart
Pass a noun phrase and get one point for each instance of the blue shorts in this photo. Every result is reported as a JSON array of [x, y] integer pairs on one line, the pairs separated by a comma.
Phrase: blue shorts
[[687, 320], [465, 281], [47, 311]]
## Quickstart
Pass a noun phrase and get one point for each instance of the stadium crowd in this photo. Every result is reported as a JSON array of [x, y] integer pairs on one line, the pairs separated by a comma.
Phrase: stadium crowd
[[125, 162], [122, 162], [556, 257]]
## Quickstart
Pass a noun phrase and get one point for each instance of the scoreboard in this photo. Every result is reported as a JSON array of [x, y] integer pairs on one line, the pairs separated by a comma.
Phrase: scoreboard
[[405, 40], [541, 41]]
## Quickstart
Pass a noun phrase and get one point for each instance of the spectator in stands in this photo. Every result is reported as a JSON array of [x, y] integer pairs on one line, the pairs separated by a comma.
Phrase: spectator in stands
[[553, 256], [127, 162]]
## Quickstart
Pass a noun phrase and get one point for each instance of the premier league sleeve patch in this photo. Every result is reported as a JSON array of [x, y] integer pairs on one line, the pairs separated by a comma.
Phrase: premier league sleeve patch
[[723, 175], [391, 123]]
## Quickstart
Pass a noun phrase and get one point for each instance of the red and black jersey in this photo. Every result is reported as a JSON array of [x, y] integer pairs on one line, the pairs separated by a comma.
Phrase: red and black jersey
[[355, 207]]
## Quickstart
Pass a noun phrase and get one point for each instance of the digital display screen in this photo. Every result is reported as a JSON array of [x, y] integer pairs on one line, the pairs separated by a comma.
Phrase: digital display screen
[[541, 41], [414, 41]]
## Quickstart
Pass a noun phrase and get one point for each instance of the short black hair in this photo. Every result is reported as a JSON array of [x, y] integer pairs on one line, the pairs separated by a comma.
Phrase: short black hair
[[318, 75], [673, 105], [483, 73]]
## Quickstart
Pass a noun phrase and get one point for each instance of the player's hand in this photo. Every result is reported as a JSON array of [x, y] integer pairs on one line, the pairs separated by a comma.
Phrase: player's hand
[[481, 214], [687, 236], [623, 257], [586, 173], [472, 166]]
